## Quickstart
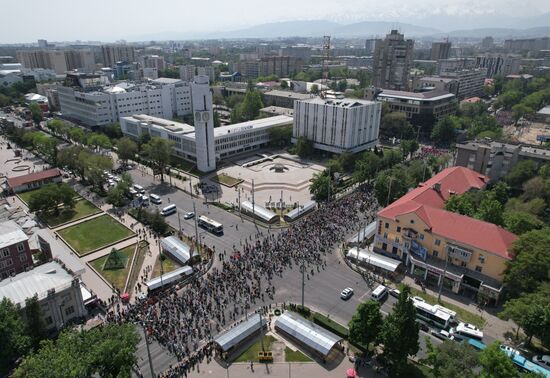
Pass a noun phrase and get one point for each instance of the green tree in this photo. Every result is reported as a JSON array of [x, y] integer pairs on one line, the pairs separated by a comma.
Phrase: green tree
[[126, 149], [452, 360], [509, 99], [51, 197], [98, 141], [366, 167], [531, 263], [36, 328], [36, 113], [520, 222], [249, 108], [93, 165], [283, 84], [419, 171], [490, 210], [314, 89], [409, 147], [15, 340], [113, 131], [391, 158], [280, 136], [501, 192], [159, 151], [303, 147], [321, 186], [395, 124], [496, 364], [444, 131], [535, 206], [77, 134], [399, 334], [520, 173], [521, 110], [392, 184], [364, 326], [68, 158]]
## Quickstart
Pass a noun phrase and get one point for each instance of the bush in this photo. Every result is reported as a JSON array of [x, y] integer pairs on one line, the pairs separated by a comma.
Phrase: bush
[[331, 325], [154, 220]]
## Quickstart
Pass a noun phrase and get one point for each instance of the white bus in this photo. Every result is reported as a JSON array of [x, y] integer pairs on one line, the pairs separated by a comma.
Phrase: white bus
[[433, 315], [139, 188], [467, 331], [171, 209], [211, 225], [155, 199]]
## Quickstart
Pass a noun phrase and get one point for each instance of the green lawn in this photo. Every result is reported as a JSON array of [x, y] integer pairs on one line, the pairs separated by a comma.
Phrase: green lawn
[[295, 356], [251, 354], [168, 265], [95, 233], [82, 209], [26, 196], [463, 314], [226, 180], [116, 277]]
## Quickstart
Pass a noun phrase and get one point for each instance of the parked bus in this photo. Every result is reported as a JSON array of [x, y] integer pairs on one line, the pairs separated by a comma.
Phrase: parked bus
[[171, 209], [211, 225], [466, 330], [433, 315]]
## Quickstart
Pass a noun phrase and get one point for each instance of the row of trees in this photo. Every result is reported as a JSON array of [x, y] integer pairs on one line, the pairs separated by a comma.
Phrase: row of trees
[[52, 198]]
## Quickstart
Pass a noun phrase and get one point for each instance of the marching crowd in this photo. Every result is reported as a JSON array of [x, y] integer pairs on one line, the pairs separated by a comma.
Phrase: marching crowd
[[185, 321]]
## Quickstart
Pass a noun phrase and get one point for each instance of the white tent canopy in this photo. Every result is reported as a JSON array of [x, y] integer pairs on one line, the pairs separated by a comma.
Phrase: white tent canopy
[[259, 211], [364, 233], [177, 249], [233, 336], [168, 278], [374, 259]]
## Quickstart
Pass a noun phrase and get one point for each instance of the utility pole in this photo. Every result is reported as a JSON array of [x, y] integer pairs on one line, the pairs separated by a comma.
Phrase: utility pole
[[148, 350], [329, 182], [444, 274], [389, 191], [253, 203], [161, 265], [197, 241], [239, 194], [303, 268], [179, 223]]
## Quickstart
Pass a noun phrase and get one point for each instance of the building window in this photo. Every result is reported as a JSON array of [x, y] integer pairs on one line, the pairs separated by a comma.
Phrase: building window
[[463, 264], [421, 236], [412, 221], [435, 253], [4, 252], [437, 242], [479, 268], [482, 259], [397, 239], [69, 310], [23, 258], [385, 235], [398, 229], [387, 225]]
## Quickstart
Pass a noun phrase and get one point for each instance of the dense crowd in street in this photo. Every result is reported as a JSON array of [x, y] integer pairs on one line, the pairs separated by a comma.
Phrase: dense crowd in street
[[186, 320]]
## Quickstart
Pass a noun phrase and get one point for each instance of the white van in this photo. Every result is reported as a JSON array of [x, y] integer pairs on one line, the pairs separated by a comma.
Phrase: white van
[[139, 188], [168, 210], [379, 293], [155, 199]]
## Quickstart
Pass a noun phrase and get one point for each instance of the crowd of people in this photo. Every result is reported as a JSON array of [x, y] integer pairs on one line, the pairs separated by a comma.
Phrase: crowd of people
[[185, 321]]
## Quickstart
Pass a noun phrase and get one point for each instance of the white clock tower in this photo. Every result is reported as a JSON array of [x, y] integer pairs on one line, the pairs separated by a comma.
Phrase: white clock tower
[[204, 124]]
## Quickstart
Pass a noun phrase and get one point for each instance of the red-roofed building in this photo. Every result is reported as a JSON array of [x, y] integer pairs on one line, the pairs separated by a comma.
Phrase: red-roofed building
[[33, 180], [434, 243]]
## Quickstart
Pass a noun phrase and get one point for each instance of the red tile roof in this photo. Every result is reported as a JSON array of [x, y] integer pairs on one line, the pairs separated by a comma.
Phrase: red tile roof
[[427, 203], [14, 182]]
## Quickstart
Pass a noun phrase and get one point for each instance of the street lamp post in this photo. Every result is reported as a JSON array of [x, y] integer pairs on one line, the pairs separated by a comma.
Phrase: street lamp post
[[443, 278]]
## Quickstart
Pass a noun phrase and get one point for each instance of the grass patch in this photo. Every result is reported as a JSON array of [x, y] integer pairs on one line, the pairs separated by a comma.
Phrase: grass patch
[[168, 265], [415, 370], [330, 324], [141, 252], [295, 356], [116, 277], [95, 233], [83, 208], [463, 314], [226, 180], [251, 354]]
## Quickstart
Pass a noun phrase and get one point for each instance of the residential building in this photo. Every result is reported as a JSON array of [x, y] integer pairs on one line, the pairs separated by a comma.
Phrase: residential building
[[281, 66], [15, 254], [117, 53], [42, 43], [337, 124], [207, 71], [8, 78], [440, 50], [370, 45], [33, 180], [187, 72], [462, 83], [299, 52], [229, 140], [526, 45], [495, 159], [465, 255], [97, 104], [487, 43], [58, 291], [430, 83], [454, 64], [149, 73], [498, 65], [392, 62], [152, 61], [59, 61], [422, 108], [284, 99]]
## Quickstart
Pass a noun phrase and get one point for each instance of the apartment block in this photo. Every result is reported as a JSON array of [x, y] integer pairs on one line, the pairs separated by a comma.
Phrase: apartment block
[[392, 62], [117, 53], [15, 254]]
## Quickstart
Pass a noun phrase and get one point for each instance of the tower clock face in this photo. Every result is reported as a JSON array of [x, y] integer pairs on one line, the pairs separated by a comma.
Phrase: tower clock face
[[197, 116], [205, 116]]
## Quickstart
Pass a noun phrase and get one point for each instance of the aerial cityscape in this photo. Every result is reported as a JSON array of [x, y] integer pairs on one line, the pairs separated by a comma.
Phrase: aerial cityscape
[[296, 189]]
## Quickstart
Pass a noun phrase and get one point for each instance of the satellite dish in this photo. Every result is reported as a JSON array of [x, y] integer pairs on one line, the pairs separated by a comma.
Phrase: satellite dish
[[205, 116], [198, 116]]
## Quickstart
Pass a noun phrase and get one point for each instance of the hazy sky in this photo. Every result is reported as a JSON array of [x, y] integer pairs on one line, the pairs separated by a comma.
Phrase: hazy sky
[[109, 20]]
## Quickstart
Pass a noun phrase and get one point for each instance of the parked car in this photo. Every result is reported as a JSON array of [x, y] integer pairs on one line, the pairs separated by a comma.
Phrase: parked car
[[542, 360], [395, 293], [442, 334], [346, 293]]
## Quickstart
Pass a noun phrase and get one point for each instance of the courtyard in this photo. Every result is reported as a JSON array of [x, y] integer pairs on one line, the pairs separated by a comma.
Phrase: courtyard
[[93, 234], [116, 276]]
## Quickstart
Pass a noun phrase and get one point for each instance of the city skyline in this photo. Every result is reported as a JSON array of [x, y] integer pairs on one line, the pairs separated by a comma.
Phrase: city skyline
[[139, 21]]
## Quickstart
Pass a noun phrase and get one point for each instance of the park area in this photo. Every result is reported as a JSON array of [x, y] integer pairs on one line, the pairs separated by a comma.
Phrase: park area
[[168, 265], [94, 234], [251, 353], [115, 266], [82, 209]]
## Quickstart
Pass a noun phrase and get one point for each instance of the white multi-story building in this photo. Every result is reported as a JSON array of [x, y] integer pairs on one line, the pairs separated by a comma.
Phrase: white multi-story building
[[208, 71], [337, 124], [187, 72], [101, 105], [229, 140], [59, 293]]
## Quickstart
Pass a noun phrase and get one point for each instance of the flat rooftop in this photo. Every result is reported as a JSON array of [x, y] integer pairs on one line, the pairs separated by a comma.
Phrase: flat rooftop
[[424, 96], [257, 124], [288, 94], [171, 126], [340, 102]]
